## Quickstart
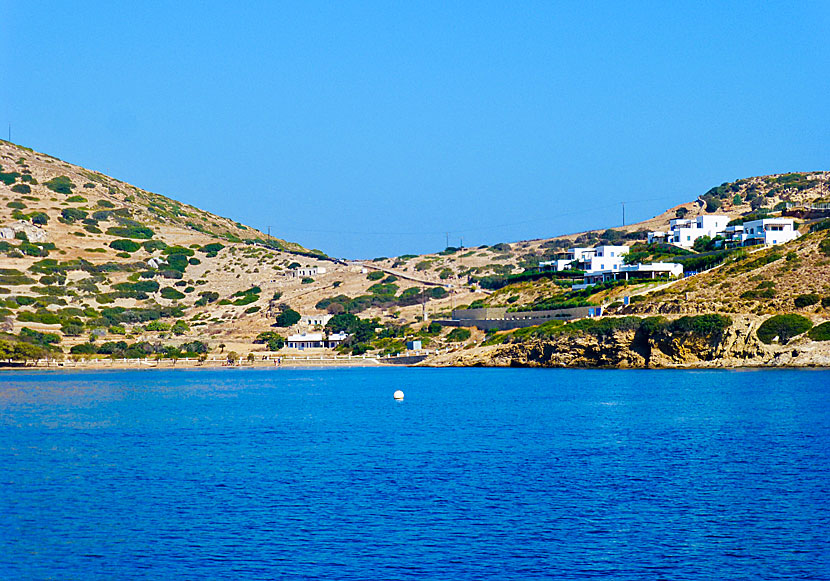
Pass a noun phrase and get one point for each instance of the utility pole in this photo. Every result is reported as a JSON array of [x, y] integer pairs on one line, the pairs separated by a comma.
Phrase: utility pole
[[424, 303], [269, 231], [623, 208]]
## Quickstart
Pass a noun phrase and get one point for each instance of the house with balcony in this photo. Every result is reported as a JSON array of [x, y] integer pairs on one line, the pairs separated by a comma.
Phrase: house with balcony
[[684, 231], [305, 341], [769, 231]]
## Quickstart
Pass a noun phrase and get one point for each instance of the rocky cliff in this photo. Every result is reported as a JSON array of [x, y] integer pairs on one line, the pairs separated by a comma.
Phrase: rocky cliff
[[737, 346]]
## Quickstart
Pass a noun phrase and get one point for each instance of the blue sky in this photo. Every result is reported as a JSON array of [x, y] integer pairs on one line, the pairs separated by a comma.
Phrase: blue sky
[[368, 129]]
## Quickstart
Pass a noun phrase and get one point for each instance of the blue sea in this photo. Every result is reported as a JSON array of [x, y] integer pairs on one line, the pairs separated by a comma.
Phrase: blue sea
[[477, 473]]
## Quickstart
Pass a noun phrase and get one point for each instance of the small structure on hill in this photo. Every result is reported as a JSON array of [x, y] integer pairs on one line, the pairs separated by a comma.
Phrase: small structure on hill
[[305, 271]]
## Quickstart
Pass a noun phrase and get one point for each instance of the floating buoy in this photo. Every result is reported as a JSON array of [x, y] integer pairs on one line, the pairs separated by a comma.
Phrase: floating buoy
[[398, 395]]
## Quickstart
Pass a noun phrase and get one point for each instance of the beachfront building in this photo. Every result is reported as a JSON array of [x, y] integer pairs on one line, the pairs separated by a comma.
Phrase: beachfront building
[[304, 341], [684, 231]]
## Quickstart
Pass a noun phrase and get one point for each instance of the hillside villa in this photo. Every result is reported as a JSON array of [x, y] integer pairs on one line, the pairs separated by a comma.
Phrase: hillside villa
[[683, 232]]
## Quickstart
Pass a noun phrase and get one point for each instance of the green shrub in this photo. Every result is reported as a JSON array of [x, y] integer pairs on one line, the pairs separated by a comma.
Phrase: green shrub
[[250, 310], [137, 232], [169, 292], [105, 204], [16, 204], [124, 245], [375, 275], [820, 332], [72, 214], [458, 335], [178, 250], [8, 178], [824, 246], [274, 341], [806, 300], [76, 199], [437, 292], [701, 325], [785, 327], [180, 327], [825, 302], [287, 317], [307, 280], [60, 185], [153, 245], [39, 218], [177, 262]]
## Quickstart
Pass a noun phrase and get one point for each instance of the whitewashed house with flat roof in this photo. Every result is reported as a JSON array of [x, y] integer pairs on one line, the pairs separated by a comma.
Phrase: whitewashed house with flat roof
[[769, 231], [684, 231], [305, 271]]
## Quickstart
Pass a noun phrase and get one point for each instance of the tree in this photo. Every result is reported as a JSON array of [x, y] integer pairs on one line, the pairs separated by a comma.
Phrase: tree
[[681, 212], [221, 347], [232, 357], [287, 317], [702, 244], [250, 357]]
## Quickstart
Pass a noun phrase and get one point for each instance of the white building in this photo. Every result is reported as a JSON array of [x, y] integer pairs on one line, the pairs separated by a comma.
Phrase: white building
[[315, 320], [607, 258], [769, 231], [684, 231], [589, 259], [314, 341], [636, 271], [305, 271]]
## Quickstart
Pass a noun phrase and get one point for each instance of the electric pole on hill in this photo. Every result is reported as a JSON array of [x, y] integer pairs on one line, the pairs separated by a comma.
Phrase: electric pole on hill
[[623, 208]]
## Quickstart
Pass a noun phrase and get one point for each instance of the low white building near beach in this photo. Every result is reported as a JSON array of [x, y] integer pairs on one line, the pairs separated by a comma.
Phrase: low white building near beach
[[304, 341]]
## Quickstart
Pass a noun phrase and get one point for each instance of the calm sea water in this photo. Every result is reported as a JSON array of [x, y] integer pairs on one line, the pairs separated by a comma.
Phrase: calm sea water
[[507, 474]]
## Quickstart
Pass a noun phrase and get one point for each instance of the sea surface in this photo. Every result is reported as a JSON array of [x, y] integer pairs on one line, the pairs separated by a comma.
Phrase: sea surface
[[478, 473]]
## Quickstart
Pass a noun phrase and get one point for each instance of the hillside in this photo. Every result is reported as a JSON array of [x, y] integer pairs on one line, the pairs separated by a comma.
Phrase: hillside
[[94, 267], [88, 257]]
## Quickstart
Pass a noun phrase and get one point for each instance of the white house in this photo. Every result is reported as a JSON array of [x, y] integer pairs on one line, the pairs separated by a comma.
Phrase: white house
[[589, 259], [314, 341], [305, 271], [315, 320], [634, 271], [684, 231], [769, 231], [607, 258]]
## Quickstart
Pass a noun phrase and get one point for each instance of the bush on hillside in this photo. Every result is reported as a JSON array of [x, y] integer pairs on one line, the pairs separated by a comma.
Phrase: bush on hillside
[[375, 275], [124, 245], [137, 232], [820, 332], [287, 317], [169, 292], [61, 185], [458, 335], [806, 300], [785, 327]]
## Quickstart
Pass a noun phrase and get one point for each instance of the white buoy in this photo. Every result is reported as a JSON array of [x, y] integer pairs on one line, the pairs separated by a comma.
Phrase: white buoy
[[398, 395]]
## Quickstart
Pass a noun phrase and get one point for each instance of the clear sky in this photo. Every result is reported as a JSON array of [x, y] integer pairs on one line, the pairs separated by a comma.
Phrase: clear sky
[[368, 129]]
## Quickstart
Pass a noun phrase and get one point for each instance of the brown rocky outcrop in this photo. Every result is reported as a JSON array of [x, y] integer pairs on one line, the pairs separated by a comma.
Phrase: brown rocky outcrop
[[737, 346]]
